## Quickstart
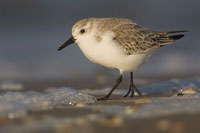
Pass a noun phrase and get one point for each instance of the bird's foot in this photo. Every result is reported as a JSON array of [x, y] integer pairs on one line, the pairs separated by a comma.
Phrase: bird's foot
[[131, 90], [127, 93], [103, 98], [138, 92]]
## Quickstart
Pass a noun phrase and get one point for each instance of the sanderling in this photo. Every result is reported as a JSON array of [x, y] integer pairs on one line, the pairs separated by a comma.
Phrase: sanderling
[[118, 43]]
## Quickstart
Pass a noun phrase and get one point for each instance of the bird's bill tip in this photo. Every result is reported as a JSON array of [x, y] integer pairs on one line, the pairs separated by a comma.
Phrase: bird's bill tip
[[67, 43]]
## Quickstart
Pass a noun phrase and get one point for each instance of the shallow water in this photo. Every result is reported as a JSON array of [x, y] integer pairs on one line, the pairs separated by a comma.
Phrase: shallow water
[[19, 103]]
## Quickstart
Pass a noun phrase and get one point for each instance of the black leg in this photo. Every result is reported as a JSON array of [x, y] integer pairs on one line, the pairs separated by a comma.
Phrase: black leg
[[132, 87], [132, 91], [139, 93], [114, 87]]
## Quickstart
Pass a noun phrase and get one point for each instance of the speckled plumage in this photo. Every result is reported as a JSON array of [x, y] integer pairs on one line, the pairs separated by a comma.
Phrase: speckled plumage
[[130, 36]]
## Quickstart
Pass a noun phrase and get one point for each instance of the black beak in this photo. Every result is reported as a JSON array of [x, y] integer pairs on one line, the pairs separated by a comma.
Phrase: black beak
[[67, 43]]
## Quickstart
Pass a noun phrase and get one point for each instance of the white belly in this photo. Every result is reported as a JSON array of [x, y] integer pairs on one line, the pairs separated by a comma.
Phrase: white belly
[[108, 54]]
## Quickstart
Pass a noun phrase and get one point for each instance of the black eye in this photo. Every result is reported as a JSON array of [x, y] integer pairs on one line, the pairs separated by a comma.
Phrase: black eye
[[82, 31]]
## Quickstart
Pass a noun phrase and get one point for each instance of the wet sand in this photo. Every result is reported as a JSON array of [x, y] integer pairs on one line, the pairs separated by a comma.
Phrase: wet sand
[[83, 117], [176, 123]]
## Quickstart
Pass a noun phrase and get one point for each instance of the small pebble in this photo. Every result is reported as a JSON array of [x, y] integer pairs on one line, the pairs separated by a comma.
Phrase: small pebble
[[163, 125], [129, 111], [81, 105], [80, 121], [112, 122], [92, 117], [11, 86], [189, 91], [11, 116], [181, 93], [143, 100]]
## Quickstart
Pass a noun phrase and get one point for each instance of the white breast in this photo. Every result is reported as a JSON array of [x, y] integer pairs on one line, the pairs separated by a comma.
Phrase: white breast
[[110, 54]]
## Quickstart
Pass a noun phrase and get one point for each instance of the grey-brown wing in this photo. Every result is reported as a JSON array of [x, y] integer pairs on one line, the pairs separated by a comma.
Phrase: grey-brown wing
[[134, 38]]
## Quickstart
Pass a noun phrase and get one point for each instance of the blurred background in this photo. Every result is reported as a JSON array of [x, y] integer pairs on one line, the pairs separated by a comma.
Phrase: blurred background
[[32, 30]]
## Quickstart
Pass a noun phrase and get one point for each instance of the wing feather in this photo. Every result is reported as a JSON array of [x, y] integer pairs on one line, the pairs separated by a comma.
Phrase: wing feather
[[134, 39]]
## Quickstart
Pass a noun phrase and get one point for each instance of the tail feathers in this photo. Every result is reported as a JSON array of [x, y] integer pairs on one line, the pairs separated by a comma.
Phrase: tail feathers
[[176, 37], [174, 32], [164, 38]]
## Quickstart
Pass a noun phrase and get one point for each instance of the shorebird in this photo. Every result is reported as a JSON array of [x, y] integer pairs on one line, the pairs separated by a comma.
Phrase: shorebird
[[118, 43]]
